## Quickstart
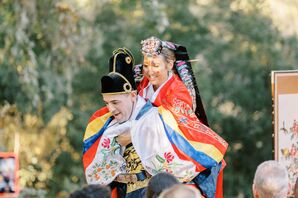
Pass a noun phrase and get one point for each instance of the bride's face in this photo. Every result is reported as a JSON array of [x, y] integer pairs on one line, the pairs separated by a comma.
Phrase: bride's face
[[156, 69]]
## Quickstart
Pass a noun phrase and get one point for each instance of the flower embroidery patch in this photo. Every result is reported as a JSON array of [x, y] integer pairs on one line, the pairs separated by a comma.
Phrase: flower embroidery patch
[[108, 164]]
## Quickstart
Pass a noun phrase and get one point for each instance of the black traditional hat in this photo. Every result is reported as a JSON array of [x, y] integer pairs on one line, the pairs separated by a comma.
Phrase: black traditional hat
[[120, 79]]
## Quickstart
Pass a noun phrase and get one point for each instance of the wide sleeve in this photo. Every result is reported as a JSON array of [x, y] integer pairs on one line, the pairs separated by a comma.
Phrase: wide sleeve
[[156, 151], [102, 155], [205, 141]]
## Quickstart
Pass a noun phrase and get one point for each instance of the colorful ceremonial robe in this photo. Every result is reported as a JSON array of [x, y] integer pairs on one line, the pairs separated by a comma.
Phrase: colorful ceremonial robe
[[103, 158], [153, 133], [174, 97], [102, 155]]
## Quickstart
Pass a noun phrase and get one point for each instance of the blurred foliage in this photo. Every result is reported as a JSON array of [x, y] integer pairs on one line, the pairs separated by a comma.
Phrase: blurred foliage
[[53, 52]]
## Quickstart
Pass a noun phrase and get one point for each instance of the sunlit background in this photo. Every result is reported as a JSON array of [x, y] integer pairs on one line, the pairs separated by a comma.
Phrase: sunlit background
[[53, 53]]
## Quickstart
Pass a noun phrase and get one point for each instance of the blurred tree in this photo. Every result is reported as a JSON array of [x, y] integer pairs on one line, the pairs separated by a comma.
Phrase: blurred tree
[[39, 60], [53, 53], [243, 48]]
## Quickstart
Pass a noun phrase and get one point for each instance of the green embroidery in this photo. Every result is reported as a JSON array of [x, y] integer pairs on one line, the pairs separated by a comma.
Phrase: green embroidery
[[113, 142], [160, 159], [107, 168]]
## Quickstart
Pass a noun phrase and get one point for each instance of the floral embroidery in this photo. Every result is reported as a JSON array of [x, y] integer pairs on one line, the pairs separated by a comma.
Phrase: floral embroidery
[[168, 156], [183, 120], [185, 72], [171, 165], [106, 143], [103, 171], [187, 118], [108, 164], [180, 107], [169, 171]]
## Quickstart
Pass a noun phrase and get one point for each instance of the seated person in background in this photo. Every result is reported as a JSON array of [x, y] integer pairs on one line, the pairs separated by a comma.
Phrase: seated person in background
[[271, 180], [92, 191], [181, 191], [160, 182]]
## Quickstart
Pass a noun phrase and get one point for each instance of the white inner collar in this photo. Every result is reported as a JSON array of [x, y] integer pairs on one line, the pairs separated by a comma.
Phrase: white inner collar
[[149, 92]]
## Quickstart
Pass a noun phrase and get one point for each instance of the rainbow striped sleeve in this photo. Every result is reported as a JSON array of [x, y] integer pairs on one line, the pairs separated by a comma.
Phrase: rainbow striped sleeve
[[95, 128], [191, 143]]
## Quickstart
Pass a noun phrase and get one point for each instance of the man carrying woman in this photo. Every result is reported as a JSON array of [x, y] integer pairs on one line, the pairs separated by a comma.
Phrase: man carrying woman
[[168, 138]]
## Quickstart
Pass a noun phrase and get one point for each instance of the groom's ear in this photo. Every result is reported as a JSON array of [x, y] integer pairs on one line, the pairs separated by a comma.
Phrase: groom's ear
[[134, 93]]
